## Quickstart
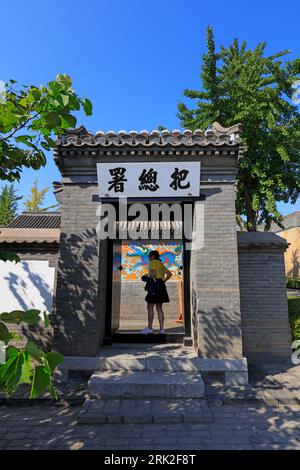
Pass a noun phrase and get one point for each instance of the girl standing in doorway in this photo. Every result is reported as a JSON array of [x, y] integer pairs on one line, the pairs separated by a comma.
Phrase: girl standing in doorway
[[157, 294]]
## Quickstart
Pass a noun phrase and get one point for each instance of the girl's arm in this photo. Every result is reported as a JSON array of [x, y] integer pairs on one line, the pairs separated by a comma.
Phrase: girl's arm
[[167, 275], [151, 273]]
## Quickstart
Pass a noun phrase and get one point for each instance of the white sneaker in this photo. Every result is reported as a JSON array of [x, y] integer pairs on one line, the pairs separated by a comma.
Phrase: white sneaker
[[146, 331], [161, 332]]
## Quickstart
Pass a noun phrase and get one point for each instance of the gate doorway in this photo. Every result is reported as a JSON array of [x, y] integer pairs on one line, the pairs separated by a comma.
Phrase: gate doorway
[[128, 312]]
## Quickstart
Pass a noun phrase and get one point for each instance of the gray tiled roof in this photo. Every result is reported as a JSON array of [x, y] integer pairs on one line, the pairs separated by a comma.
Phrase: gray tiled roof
[[253, 239], [36, 220], [289, 221], [214, 135]]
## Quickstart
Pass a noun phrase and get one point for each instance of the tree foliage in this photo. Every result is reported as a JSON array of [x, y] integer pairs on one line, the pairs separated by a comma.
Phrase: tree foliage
[[8, 204], [247, 86], [29, 119], [34, 202]]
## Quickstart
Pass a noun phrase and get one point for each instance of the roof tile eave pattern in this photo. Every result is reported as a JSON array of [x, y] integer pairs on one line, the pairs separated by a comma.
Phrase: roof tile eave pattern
[[29, 235], [23, 240], [216, 135]]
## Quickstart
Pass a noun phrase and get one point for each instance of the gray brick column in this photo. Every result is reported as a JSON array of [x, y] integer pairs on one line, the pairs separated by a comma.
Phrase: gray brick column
[[79, 312], [216, 316]]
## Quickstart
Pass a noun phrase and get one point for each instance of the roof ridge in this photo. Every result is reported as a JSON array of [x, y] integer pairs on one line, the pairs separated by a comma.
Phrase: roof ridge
[[40, 213], [215, 134]]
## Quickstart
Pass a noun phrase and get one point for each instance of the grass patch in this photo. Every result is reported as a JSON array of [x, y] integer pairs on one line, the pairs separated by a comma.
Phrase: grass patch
[[294, 315]]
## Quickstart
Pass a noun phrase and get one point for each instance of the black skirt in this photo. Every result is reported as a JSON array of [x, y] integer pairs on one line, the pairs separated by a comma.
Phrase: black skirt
[[157, 292]]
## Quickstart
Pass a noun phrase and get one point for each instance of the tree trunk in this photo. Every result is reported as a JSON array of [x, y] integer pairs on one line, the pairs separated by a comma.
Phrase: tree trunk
[[251, 214]]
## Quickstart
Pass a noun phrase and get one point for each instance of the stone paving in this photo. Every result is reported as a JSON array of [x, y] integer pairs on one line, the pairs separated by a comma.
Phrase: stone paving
[[235, 426], [239, 421]]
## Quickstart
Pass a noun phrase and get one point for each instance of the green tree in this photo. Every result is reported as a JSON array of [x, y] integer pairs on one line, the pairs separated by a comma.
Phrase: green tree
[[8, 204], [29, 119], [34, 202], [247, 86]]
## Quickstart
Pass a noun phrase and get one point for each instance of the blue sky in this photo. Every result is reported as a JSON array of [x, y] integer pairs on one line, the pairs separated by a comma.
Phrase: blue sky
[[131, 58]]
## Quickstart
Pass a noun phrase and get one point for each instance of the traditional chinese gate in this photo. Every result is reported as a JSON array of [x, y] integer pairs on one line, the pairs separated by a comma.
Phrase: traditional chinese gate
[[85, 266]]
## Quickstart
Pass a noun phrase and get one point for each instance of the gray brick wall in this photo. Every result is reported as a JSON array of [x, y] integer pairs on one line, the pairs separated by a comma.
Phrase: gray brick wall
[[215, 300], [79, 313], [265, 324]]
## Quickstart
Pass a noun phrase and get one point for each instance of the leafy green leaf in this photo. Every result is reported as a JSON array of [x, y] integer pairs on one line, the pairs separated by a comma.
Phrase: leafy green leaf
[[36, 93], [26, 372], [46, 319], [54, 359], [32, 317], [88, 107], [4, 333], [65, 99], [41, 380], [15, 317], [45, 146], [11, 370], [52, 119], [53, 391], [6, 336], [8, 256], [23, 138], [35, 351], [71, 120]]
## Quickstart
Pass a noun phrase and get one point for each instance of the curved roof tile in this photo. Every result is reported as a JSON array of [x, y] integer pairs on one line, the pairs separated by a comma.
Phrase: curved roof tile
[[215, 135]]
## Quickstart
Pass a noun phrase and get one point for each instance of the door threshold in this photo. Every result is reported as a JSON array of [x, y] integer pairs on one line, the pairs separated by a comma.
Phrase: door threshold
[[155, 338]]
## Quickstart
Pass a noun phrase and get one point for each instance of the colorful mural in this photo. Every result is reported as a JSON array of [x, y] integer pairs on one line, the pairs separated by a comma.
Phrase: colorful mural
[[135, 259]]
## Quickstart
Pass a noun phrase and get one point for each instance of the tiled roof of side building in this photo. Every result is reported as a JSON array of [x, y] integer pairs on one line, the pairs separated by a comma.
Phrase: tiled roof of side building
[[289, 221], [37, 220]]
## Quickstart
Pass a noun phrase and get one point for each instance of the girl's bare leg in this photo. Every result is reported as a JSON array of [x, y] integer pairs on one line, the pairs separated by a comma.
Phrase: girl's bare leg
[[160, 314], [150, 315]]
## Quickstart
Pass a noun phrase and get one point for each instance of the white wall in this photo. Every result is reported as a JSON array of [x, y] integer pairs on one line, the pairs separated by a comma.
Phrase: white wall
[[25, 285]]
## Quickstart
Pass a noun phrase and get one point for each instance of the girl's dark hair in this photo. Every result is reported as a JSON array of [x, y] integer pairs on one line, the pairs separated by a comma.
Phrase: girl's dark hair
[[155, 254]]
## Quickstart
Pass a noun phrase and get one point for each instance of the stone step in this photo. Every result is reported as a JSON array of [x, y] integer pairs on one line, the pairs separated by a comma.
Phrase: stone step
[[140, 384], [128, 410], [160, 358]]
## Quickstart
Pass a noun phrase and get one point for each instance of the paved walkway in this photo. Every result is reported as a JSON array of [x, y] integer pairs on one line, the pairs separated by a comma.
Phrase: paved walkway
[[265, 415], [235, 426]]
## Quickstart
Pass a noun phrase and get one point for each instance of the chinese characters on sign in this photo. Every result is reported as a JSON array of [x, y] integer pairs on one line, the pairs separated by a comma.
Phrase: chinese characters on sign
[[178, 177], [175, 179], [148, 180], [117, 182]]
